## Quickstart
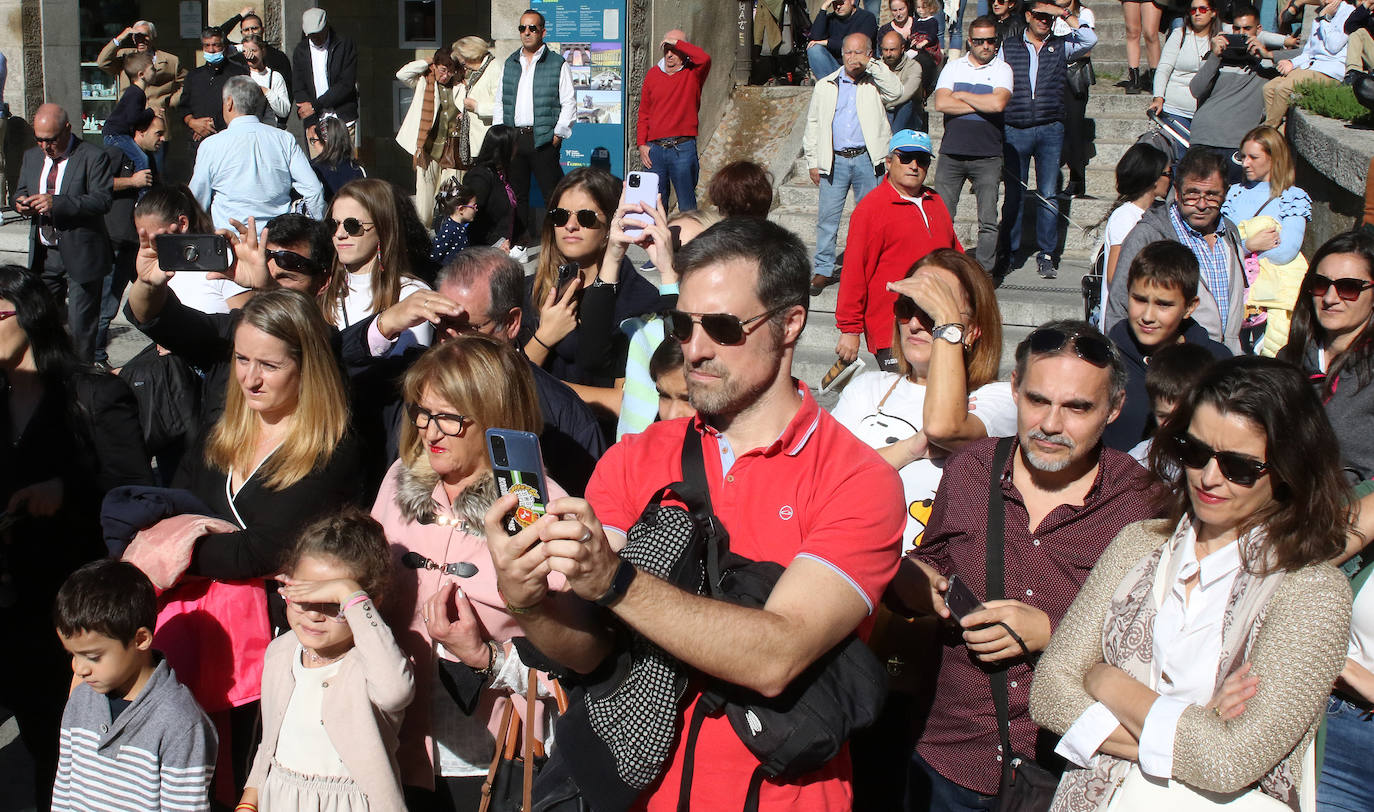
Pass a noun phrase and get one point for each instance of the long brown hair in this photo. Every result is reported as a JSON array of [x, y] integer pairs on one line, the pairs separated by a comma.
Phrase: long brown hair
[[981, 360], [604, 189], [393, 262]]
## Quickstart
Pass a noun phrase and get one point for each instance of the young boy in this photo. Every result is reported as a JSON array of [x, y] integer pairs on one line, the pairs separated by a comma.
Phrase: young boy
[[131, 112], [670, 379], [458, 209], [132, 737], [1173, 371], [1163, 281]]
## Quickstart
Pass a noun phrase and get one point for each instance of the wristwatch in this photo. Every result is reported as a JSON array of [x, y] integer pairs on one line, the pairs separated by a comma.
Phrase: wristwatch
[[620, 584], [952, 332]]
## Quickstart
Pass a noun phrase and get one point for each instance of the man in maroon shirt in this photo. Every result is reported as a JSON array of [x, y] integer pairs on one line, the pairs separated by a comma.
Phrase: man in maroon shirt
[[1066, 497], [668, 106]]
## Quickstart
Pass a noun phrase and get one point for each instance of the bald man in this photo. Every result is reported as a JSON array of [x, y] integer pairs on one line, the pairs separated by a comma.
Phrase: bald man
[[908, 111], [65, 188], [668, 106]]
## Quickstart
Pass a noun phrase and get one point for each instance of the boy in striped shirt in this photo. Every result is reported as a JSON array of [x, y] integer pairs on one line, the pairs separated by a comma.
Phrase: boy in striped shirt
[[133, 738]]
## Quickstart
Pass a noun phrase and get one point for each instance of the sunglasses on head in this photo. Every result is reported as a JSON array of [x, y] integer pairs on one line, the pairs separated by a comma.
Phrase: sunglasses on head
[[1348, 289], [906, 309], [922, 159], [524, 29], [722, 328], [982, 40], [291, 261], [1237, 468], [351, 225], [1090, 348], [585, 218]]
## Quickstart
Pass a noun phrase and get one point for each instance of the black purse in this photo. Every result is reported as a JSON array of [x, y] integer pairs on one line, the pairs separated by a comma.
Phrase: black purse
[[1026, 786]]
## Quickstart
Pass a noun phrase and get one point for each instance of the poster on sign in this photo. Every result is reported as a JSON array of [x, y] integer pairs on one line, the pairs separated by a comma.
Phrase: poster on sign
[[590, 36]]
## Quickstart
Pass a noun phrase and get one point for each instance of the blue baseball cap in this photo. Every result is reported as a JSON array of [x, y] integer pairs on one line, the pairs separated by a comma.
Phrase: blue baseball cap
[[909, 141]]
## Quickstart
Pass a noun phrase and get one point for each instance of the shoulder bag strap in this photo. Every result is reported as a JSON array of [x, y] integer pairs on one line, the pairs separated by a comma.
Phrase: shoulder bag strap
[[996, 586], [694, 475], [501, 739], [531, 708]]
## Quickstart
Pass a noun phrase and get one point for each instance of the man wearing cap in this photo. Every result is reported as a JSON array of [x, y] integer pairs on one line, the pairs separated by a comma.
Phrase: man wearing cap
[[537, 99], [324, 69], [668, 105], [845, 141], [891, 229]]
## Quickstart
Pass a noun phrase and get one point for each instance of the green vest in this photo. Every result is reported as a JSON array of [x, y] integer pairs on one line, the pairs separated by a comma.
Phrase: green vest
[[546, 105]]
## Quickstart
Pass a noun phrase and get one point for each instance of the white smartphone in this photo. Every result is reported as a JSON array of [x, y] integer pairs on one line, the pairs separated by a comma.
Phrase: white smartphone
[[640, 187]]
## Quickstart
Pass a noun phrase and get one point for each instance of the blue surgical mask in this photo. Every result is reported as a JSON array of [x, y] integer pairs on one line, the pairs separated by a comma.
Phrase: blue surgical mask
[[215, 58]]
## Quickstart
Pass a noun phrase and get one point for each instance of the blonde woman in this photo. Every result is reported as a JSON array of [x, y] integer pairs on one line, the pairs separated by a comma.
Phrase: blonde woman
[[476, 93]]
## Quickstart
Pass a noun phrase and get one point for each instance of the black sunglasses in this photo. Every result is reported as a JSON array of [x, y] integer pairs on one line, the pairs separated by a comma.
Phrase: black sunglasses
[[722, 328], [528, 28], [351, 225], [982, 40], [921, 158], [1237, 468], [291, 261], [906, 309], [585, 218], [52, 140], [1348, 289], [1042, 16], [1090, 348]]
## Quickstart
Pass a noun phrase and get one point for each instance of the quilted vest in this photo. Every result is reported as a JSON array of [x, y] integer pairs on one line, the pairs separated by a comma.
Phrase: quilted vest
[[1046, 104], [546, 104]]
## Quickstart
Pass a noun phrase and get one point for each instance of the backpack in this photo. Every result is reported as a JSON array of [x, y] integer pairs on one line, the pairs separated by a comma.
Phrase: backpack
[[168, 394]]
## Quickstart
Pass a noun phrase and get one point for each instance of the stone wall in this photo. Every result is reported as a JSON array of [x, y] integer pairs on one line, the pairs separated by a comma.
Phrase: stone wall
[[1332, 162]]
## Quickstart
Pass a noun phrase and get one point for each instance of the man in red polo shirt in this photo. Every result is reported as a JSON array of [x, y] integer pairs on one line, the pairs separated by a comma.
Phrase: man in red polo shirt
[[891, 229], [668, 106], [788, 482]]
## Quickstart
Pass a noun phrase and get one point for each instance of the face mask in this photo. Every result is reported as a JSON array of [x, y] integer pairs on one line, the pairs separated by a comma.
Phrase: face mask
[[215, 58]]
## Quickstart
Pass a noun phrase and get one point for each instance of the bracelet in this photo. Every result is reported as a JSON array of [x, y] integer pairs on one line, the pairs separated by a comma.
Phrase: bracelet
[[246, 806], [517, 610], [535, 336], [485, 673]]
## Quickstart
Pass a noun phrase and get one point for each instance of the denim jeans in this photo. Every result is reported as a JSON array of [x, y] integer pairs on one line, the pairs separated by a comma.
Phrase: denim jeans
[[1344, 783], [678, 164], [927, 790], [909, 115], [823, 63], [855, 173], [128, 147], [956, 34], [1044, 143], [951, 173]]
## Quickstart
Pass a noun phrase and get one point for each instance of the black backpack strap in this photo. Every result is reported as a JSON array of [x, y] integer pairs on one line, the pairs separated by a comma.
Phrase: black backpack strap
[[689, 758], [751, 798], [996, 585]]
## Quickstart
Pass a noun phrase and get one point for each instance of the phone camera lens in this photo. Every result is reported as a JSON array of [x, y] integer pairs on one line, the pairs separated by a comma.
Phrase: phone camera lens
[[190, 254], [498, 450], [634, 181]]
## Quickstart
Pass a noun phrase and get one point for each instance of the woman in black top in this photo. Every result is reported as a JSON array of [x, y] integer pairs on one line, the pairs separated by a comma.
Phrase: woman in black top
[[71, 433], [489, 180]]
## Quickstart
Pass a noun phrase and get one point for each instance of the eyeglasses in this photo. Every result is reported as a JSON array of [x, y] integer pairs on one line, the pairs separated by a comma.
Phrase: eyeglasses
[[351, 225], [333, 611], [1194, 198], [585, 218], [722, 328], [1200, 10], [1042, 16], [450, 425], [528, 29], [906, 309], [1237, 468], [922, 159], [291, 261], [983, 41], [8, 314], [1090, 348], [1348, 289]]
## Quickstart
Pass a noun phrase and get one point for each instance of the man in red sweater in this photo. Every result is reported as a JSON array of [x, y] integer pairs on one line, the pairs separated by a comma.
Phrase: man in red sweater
[[892, 228], [667, 130]]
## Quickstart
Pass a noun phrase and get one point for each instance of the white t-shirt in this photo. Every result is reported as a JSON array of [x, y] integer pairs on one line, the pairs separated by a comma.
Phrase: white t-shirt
[[206, 295], [1119, 224], [1362, 628], [358, 304], [1085, 17], [303, 745], [900, 418]]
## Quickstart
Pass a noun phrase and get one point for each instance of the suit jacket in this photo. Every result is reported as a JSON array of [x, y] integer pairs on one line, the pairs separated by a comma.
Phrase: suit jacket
[[341, 66], [165, 89], [78, 209]]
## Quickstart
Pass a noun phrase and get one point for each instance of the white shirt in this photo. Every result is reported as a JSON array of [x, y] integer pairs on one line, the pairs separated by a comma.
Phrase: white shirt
[[319, 67], [303, 745], [357, 305], [206, 295], [1362, 628], [1119, 224], [1085, 17], [43, 183], [1187, 645], [899, 418], [274, 88], [524, 96]]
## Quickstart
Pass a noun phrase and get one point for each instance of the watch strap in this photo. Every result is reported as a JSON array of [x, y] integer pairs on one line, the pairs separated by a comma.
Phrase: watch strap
[[620, 584]]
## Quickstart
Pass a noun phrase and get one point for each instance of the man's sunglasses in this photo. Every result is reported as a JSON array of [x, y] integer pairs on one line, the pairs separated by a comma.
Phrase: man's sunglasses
[[351, 225], [1043, 16], [1090, 348], [523, 29], [291, 261], [1348, 289], [722, 328], [52, 140], [983, 41], [1237, 468], [585, 218], [922, 159], [906, 309]]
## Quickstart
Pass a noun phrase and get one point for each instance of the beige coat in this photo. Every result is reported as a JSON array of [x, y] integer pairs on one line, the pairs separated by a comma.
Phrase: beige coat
[[165, 89], [878, 87], [362, 711], [484, 93], [413, 74]]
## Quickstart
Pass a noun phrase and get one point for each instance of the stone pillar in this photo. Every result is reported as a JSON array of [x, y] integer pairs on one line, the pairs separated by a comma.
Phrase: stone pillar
[[59, 53], [505, 15]]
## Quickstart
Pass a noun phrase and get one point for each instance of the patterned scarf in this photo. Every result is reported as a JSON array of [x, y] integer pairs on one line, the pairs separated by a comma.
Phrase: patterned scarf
[[465, 155], [428, 110], [1128, 644]]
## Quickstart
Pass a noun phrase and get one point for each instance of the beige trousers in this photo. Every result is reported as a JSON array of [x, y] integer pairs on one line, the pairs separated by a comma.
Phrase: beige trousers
[[427, 183], [1278, 90], [1359, 51]]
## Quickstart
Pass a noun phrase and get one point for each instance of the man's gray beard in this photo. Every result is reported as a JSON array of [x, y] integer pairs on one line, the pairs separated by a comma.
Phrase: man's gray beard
[[1049, 466]]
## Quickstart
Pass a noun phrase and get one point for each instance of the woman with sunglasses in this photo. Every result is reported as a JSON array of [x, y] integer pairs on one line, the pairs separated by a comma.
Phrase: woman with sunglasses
[[431, 503], [373, 267], [489, 180], [585, 287], [1202, 648], [1268, 191], [335, 164], [1184, 52]]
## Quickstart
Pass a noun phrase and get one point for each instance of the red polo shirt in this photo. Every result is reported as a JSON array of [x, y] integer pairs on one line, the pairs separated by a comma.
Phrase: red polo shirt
[[817, 492], [887, 235]]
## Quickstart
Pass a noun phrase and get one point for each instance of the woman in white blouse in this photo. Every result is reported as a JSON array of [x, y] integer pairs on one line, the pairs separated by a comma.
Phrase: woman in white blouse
[[273, 84], [1230, 603]]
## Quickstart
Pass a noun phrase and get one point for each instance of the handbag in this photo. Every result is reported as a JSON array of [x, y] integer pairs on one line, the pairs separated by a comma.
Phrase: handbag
[[1141, 793], [1081, 76], [1026, 786], [510, 780]]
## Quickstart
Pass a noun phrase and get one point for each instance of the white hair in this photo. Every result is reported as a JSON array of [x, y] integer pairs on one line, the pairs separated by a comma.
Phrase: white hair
[[152, 29], [248, 97]]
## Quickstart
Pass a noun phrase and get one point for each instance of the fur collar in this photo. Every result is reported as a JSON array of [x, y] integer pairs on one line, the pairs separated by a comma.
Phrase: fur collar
[[415, 499]]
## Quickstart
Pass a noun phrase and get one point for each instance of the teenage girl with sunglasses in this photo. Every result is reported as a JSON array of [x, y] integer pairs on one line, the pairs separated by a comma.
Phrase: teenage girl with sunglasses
[[1184, 52]]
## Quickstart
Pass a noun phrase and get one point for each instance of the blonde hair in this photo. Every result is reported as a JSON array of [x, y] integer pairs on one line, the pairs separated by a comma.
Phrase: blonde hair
[[393, 264], [470, 49], [320, 418], [484, 378], [982, 359], [1281, 173]]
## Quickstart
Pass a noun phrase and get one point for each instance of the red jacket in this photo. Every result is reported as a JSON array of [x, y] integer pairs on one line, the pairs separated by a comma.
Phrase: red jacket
[[669, 103], [887, 235]]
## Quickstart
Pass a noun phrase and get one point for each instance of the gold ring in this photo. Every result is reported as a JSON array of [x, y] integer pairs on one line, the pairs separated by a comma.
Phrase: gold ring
[[1217, 711]]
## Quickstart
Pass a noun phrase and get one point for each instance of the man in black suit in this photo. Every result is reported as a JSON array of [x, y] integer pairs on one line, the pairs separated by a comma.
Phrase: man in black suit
[[324, 68], [65, 185]]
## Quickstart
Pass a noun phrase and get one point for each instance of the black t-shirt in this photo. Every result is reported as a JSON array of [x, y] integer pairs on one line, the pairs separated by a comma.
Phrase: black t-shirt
[[117, 706], [128, 112]]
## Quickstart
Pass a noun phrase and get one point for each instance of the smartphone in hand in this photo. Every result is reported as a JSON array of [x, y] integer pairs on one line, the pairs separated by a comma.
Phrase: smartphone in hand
[[960, 599], [518, 467], [640, 187], [193, 253]]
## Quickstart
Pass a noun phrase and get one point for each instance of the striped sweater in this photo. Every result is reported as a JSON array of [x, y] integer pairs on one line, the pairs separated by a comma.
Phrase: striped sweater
[[159, 754]]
